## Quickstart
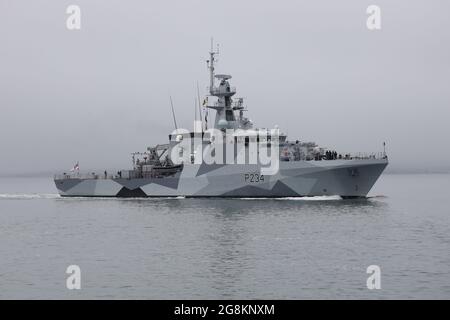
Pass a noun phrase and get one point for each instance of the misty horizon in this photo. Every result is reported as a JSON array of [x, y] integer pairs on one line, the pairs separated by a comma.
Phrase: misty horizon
[[98, 94]]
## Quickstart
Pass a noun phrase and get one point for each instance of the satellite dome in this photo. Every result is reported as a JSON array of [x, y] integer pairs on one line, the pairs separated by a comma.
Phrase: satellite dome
[[222, 123], [223, 76]]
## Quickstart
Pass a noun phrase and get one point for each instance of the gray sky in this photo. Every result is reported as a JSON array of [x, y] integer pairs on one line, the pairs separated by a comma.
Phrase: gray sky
[[311, 67]]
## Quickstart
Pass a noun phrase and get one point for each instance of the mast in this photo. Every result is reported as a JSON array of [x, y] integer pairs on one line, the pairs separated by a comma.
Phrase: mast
[[173, 114], [195, 109], [211, 67], [225, 118], [199, 105]]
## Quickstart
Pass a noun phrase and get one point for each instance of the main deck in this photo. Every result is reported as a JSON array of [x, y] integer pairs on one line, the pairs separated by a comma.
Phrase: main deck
[[346, 178]]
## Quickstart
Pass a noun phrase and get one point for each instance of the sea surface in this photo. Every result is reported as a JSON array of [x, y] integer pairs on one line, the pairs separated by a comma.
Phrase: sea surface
[[315, 248]]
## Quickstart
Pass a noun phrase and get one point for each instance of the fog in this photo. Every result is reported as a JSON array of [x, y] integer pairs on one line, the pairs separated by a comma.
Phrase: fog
[[312, 67]]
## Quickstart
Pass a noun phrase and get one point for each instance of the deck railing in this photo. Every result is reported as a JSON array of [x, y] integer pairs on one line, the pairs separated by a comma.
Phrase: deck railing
[[125, 174], [131, 174], [364, 156]]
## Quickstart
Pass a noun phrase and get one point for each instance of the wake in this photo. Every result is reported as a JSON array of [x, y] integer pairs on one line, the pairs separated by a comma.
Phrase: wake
[[314, 198], [27, 196]]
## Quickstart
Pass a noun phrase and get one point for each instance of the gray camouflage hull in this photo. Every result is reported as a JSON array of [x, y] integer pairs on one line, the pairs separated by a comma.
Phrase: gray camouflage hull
[[346, 178]]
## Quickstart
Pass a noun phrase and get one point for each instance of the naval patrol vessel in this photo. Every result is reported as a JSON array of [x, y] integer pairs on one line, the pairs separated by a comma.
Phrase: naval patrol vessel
[[226, 161]]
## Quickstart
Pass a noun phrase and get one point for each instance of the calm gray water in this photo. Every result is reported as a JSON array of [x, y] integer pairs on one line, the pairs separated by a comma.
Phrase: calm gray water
[[227, 249]]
